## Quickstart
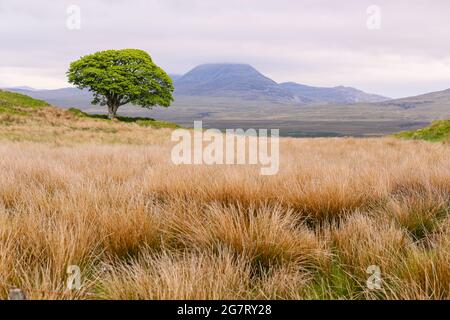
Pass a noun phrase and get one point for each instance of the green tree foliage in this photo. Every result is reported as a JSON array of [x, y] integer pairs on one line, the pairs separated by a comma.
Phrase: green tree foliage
[[118, 77]]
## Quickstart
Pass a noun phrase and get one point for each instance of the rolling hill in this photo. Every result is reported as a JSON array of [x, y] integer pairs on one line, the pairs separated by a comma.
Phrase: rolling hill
[[424, 100], [335, 95]]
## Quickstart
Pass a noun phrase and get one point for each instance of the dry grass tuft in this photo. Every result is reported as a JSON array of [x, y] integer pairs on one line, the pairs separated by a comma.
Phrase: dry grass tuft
[[192, 276]]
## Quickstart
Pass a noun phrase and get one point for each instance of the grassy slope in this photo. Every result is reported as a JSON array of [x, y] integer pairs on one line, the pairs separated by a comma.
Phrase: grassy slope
[[437, 131], [23, 118], [18, 104], [143, 122]]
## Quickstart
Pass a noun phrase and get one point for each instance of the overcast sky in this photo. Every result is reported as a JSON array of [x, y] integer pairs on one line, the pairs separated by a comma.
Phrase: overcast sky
[[323, 43]]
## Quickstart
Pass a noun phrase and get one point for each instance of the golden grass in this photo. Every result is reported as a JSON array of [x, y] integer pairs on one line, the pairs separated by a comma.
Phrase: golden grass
[[140, 227]]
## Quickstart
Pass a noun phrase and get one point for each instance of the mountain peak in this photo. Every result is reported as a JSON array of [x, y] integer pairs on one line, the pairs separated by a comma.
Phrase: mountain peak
[[225, 66], [227, 80], [223, 70]]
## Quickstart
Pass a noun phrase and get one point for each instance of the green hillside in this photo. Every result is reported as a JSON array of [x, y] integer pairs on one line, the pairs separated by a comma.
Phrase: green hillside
[[437, 131], [16, 103]]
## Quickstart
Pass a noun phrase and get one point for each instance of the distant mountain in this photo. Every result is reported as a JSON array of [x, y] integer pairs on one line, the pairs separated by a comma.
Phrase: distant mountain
[[245, 82], [438, 98], [26, 88], [335, 95], [229, 80]]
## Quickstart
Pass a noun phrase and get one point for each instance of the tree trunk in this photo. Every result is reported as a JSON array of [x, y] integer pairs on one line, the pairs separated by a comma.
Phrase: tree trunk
[[112, 111]]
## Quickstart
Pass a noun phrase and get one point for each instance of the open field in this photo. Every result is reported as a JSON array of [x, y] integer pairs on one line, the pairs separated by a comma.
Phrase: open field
[[140, 227], [106, 197]]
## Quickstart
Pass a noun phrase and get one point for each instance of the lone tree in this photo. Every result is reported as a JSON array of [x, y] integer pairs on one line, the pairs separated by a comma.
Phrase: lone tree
[[118, 77]]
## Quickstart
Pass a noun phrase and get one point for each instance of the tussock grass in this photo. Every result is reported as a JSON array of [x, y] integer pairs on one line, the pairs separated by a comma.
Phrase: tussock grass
[[201, 275], [267, 236], [140, 227]]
